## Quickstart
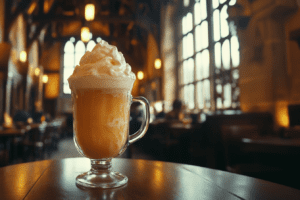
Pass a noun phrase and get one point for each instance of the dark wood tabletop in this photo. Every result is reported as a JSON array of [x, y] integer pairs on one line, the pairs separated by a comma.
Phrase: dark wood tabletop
[[55, 179]]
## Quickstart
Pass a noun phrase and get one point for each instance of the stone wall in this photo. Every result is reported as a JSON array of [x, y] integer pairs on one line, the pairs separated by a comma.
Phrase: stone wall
[[264, 78], [169, 53], [293, 59], [2, 13]]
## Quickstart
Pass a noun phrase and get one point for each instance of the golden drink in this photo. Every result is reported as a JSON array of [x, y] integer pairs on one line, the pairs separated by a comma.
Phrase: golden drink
[[101, 121]]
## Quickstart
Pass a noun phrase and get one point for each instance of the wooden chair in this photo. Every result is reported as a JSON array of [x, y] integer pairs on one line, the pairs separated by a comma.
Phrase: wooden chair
[[244, 158], [33, 143], [198, 146], [213, 128], [4, 155]]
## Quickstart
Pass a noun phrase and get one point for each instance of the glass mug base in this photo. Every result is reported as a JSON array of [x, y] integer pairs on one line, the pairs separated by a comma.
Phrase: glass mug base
[[101, 176], [107, 180]]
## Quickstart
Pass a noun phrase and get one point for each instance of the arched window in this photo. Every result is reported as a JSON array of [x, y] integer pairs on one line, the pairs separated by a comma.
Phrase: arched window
[[90, 45], [73, 51], [208, 56]]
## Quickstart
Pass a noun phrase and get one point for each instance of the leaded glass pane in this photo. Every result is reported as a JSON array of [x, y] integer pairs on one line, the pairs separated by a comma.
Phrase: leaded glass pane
[[69, 60], [198, 38], [197, 15], [235, 54], [80, 47], [216, 22], [187, 23], [235, 74], [205, 63], [227, 95], [218, 55], [186, 3], [232, 2], [185, 72], [199, 74], [78, 56], [90, 45], [226, 54], [66, 89], [206, 87], [219, 103], [203, 9], [191, 68], [204, 34], [190, 45], [67, 73], [200, 97], [69, 47], [219, 89], [215, 3], [224, 23], [189, 96]]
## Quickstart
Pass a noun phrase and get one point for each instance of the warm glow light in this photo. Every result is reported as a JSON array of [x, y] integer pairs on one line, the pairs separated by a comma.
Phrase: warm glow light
[[52, 87], [37, 71], [282, 115], [157, 63], [85, 34], [140, 75], [158, 176], [23, 56], [46, 6], [43, 118], [89, 12], [29, 120], [31, 8], [45, 78], [153, 85], [8, 121]]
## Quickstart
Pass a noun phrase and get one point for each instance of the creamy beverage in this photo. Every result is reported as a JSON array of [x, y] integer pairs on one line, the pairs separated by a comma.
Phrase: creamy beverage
[[101, 92]]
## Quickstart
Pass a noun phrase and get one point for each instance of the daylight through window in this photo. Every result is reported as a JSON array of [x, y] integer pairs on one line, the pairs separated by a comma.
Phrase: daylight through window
[[209, 57]]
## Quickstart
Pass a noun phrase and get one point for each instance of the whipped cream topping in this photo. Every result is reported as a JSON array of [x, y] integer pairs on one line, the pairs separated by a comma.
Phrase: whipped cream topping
[[103, 67]]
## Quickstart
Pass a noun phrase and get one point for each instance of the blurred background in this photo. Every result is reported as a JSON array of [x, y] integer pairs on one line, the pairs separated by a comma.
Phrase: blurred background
[[222, 78]]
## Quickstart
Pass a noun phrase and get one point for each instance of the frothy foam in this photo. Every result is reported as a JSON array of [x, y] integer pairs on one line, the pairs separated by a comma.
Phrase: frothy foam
[[103, 67]]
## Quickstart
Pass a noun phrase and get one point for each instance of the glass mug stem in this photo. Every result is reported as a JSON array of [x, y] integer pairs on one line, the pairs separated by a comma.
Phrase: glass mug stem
[[101, 174]]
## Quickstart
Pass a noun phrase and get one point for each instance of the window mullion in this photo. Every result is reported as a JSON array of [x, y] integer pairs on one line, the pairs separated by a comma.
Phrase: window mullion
[[211, 55], [194, 57]]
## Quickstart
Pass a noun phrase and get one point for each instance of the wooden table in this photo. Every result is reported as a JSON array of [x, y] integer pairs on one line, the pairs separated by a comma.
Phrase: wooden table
[[6, 136], [55, 179], [11, 132]]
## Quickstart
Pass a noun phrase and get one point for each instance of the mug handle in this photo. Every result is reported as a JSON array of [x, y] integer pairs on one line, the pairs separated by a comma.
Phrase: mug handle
[[145, 124]]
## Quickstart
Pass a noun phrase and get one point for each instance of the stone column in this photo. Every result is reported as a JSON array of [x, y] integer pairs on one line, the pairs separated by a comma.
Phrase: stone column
[[169, 54]]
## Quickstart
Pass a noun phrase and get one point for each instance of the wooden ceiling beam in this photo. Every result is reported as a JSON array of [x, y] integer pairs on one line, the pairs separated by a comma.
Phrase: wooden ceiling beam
[[11, 17], [36, 34], [108, 19]]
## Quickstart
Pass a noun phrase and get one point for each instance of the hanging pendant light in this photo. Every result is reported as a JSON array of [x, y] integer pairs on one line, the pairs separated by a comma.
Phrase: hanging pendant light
[[157, 63], [89, 12], [85, 34], [23, 56]]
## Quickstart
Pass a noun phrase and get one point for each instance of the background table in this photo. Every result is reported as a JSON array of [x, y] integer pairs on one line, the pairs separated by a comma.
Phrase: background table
[[55, 179]]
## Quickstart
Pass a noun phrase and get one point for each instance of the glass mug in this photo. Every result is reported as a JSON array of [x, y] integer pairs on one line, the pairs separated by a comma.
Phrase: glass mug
[[101, 132]]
